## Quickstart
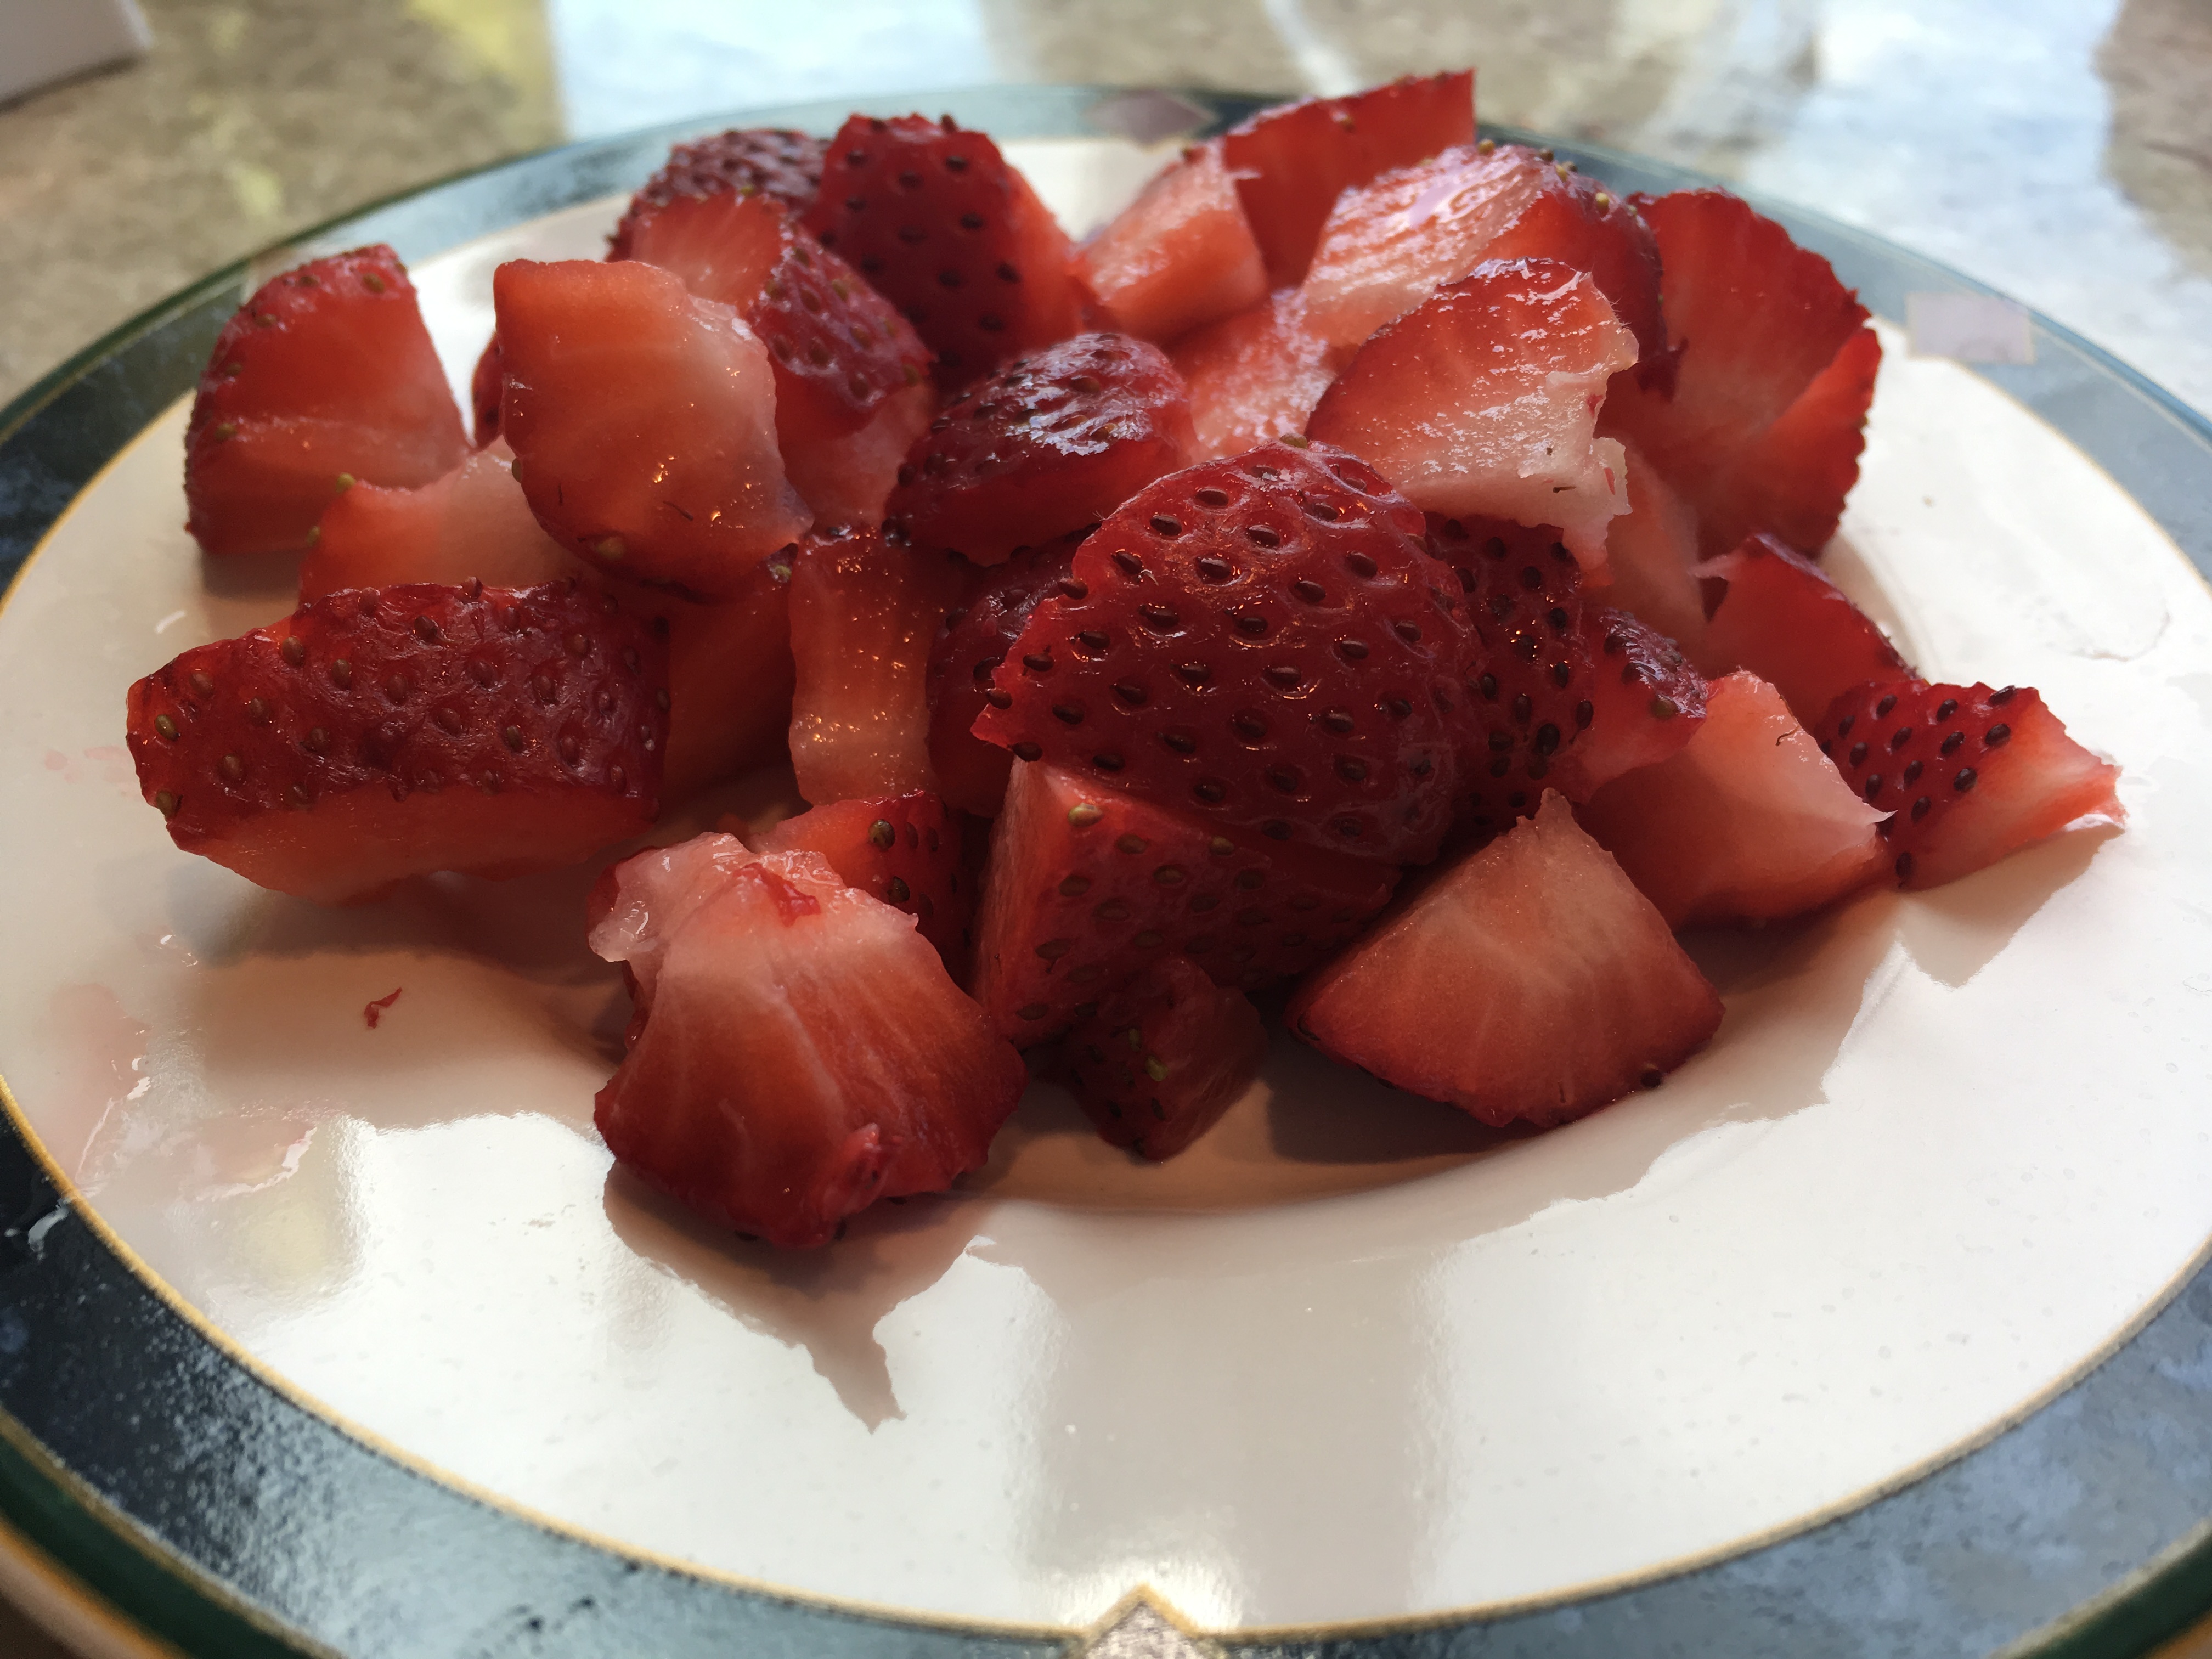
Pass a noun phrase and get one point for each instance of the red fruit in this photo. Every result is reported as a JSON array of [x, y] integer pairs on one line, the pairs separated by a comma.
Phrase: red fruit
[[847, 479], [1585, 994], [1783, 619], [1163, 1058], [382, 733], [905, 850], [802, 1052], [642, 421], [1392, 243], [1052, 443], [487, 384], [1646, 703], [1651, 555], [1747, 822], [1971, 775], [1087, 886], [325, 376], [951, 235], [1180, 256], [783, 166], [1263, 641], [729, 681], [1253, 377], [1483, 400], [1756, 320], [473, 522], [978, 632], [1292, 161]]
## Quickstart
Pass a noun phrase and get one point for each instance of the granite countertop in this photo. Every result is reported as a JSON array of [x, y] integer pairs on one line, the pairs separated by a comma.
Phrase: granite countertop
[[2058, 149]]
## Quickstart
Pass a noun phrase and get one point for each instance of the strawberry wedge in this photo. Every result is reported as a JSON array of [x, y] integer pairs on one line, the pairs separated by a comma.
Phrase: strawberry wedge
[[1163, 1058], [1182, 255]]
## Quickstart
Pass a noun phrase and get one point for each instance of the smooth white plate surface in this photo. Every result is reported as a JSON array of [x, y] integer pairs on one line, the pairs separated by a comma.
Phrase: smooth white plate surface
[[1352, 1357]]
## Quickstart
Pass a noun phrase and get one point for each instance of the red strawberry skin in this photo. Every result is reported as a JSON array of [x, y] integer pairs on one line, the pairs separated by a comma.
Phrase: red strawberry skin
[[1263, 641], [487, 386], [951, 235], [969, 650], [1782, 619], [1179, 257], [1647, 702], [1087, 886], [325, 376], [1163, 1058], [905, 850], [377, 734], [784, 165], [1970, 774], [1052, 443]]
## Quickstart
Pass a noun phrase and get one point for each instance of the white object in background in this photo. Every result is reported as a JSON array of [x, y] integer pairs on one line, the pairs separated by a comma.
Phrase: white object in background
[[42, 41], [1968, 328]]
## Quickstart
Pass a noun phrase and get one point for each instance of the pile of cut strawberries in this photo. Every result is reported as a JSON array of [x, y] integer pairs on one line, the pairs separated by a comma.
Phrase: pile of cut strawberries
[[1377, 563]]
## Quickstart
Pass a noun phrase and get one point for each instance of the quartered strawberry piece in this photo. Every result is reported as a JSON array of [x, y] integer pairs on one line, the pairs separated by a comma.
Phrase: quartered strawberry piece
[[802, 1052], [1969, 774], [1782, 617], [1651, 555], [1255, 376], [1263, 641], [381, 733], [326, 376], [1180, 256], [951, 235], [1163, 1058], [1585, 994], [1647, 701], [643, 423], [1747, 822], [473, 522], [1086, 886], [1292, 162], [1051, 443], [977, 634], [784, 165], [1483, 400], [729, 679], [905, 850]]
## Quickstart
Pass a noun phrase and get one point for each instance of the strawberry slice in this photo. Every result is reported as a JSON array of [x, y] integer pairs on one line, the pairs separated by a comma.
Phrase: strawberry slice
[[1086, 886], [487, 386], [1051, 443], [785, 166], [951, 235], [1292, 161], [1180, 256], [904, 850], [1970, 774], [1647, 702], [643, 423], [1263, 641], [1756, 321], [1585, 994], [977, 634], [1782, 617], [1651, 555], [381, 733], [1484, 398], [801, 1051], [475, 521], [1747, 822], [1163, 1058], [1254, 377], [325, 376]]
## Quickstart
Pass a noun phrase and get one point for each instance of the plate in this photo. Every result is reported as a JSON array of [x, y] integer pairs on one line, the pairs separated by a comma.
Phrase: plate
[[1878, 1327]]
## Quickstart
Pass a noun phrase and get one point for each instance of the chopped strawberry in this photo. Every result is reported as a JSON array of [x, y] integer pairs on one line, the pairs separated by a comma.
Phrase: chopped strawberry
[[1651, 555], [487, 386], [783, 166], [1263, 641], [1747, 822], [1051, 443], [1253, 377], [1163, 1058], [977, 634], [1784, 620], [905, 850], [1292, 161], [1394, 241], [1755, 320], [864, 614], [802, 1052], [381, 733], [326, 375], [1484, 398], [1086, 886], [1585, 994], [1647, 702], [642, 421], [1180, 256], [730, 677], [847, 479], [951, 235], [473, 522], [1969, 776]]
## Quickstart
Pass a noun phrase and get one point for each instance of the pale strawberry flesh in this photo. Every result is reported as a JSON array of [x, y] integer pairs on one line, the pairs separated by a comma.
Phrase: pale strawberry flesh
[[475, 521], [1162, 1059], [1780, 616], [1254, 377], [784, 165], [1179, 257]]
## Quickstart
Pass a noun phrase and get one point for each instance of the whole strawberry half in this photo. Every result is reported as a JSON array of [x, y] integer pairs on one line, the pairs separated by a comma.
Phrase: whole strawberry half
[[969, 650], [955, 238], [1263, 641], [379, 733], [1780, 616], [1180, 256], [1968, 774], [905, 850], [1163, 1058], [1051, 443], [799, 1051], [326, 375], [1087, 886], [784, 165]]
